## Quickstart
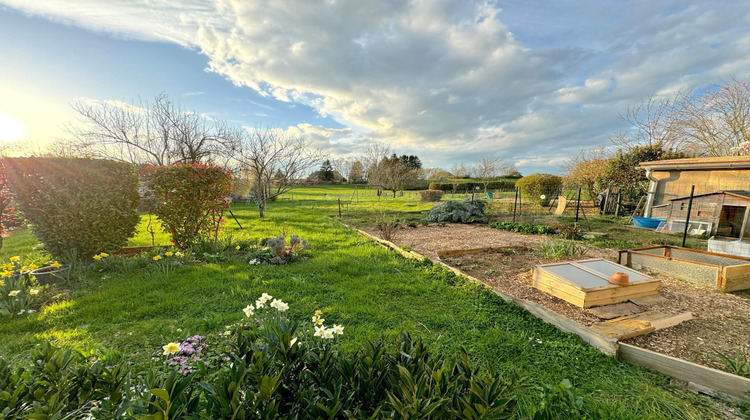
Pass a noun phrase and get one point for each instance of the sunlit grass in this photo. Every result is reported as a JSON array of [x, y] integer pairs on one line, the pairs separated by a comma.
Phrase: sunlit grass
[[371, 291]]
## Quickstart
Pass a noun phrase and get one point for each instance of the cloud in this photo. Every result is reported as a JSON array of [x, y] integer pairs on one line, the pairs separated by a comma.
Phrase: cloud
[[446, 80]]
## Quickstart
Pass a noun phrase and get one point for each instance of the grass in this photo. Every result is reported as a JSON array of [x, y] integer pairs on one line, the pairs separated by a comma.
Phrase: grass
[[372, 292]]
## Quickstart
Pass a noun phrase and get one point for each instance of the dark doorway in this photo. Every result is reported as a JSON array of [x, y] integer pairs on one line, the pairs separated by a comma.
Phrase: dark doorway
[[730, 221]]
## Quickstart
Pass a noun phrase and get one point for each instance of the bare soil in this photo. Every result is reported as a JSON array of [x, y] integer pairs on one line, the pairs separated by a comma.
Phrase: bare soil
[[721, 321]]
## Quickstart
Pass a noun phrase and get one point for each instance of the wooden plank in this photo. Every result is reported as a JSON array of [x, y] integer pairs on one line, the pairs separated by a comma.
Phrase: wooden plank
[[734, 385], [622, 329], [649, 300], [660, 320], [616, 310], [573, 298], [735, 277], [624, 293]]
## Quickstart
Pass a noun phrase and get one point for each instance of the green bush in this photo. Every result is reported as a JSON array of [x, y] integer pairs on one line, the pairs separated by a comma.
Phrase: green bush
[[431, 195], [468, 187], [536, 185], [77, 207], [189, 200], [457, 212]]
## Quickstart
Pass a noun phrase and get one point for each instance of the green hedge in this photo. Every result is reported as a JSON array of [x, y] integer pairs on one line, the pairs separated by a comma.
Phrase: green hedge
[[77, 207], [471, 186]]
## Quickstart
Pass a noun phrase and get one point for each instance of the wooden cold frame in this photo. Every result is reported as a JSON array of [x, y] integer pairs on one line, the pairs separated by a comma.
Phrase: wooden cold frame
[[583, 297]]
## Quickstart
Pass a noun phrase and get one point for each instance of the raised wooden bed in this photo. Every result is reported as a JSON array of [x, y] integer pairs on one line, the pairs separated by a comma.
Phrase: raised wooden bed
[[726, 273], [584, 283]]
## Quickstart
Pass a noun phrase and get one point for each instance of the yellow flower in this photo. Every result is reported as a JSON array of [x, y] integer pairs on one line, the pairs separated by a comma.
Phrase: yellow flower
[[7, 273], [56, 264], [33, 292], [97, 257], [171, 348], [15, 259], [33, 267], [7, 266], [237, 247], [103, 254], [168, 253], [14, 293], [157, 258], [318, 312], [2, 283], [25, 268]]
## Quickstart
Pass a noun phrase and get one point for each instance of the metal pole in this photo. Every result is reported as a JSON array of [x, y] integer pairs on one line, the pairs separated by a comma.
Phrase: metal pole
[[578, 203], [687, 218], [339, 199], [515, 200]]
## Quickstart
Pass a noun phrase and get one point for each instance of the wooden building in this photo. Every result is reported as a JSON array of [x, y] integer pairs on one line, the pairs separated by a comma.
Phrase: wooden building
[[719, 213], [673, 179]]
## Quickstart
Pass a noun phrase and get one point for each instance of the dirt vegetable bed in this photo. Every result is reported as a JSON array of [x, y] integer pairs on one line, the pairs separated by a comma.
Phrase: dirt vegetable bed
[[721, 321]]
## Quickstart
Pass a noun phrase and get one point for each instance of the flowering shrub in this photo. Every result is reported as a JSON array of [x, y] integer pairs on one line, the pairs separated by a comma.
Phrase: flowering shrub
[[742, 149], [189, 200], [431, 195], [77, 207]]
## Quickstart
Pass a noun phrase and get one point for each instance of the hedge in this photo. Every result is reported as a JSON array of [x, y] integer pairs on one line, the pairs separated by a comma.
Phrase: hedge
[[471, 186], [77, 207]]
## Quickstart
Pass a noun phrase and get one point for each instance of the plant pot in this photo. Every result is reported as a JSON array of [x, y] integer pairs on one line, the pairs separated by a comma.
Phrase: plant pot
[[50, 275], [619, 278]]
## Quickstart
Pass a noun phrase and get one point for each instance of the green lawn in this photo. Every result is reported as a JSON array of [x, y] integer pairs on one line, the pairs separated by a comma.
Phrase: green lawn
[[372, 292]]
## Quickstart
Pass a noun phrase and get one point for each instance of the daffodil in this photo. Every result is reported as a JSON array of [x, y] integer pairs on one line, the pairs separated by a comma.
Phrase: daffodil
[[15, 259], [168, 253], [318, 320], [319, 331], [33, 292], [33, 267], [2, 283], [328, 334], [248, 311], [103, 254], [56, 264], [318, 312], [156, 258], [279, 305], [7, 266], [337, 329], [171, 348], [97, 257], [237, 247], [14, 293], [180, 254], [294, 340], [6, 274]]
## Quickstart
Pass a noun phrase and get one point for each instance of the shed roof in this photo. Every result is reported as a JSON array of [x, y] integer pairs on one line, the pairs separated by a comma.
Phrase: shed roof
[[720, 162], [743, 194]]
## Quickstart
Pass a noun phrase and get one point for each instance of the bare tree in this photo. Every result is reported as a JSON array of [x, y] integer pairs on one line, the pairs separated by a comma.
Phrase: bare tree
[[651, 122], [275, 161], [486, 169], [356, 172], [373, 154], [717, 121], [391, 173], [159, 132], [460, 170]]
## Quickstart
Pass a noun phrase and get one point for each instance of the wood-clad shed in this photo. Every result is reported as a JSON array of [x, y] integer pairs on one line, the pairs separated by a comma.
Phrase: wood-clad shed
[[720, 213]]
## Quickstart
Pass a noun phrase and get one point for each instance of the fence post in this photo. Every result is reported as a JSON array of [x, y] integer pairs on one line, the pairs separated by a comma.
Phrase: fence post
[[339, 199], [687, 218], [578, 203], [515, 200]]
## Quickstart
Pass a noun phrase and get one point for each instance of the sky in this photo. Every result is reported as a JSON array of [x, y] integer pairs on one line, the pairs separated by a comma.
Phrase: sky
[[529, 82]]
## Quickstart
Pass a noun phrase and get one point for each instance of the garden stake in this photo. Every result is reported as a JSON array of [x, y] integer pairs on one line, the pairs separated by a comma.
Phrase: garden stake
[[235, 218], [515, 199], [578, 203], [687, 218], [339, 200]]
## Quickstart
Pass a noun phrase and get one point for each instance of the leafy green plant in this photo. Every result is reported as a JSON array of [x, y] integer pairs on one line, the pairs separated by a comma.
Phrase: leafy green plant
[[189, 200], [559, 249], [458, 212], [277, 251], [76, 207], [739, 364], [526, 228]]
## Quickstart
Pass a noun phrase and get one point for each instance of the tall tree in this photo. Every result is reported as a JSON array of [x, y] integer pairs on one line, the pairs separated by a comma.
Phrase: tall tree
[[159, 132], [390, 174], [356, 172], [265, 152], [486, 169], [326, 171]]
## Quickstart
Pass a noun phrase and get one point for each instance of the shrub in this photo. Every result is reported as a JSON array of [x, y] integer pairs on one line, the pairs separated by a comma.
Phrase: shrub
[[467, 187], [77, 207], [387, 227], [278, 252], [559, 249], [431, 195], [458, 212], [536, 185], [189, 200]]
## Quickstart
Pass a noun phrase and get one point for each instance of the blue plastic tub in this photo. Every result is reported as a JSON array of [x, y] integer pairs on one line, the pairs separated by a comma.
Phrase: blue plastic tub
[[646, 222]]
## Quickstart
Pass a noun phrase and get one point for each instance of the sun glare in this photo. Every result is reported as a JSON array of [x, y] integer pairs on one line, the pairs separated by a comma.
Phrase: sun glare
[[10, 128]]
